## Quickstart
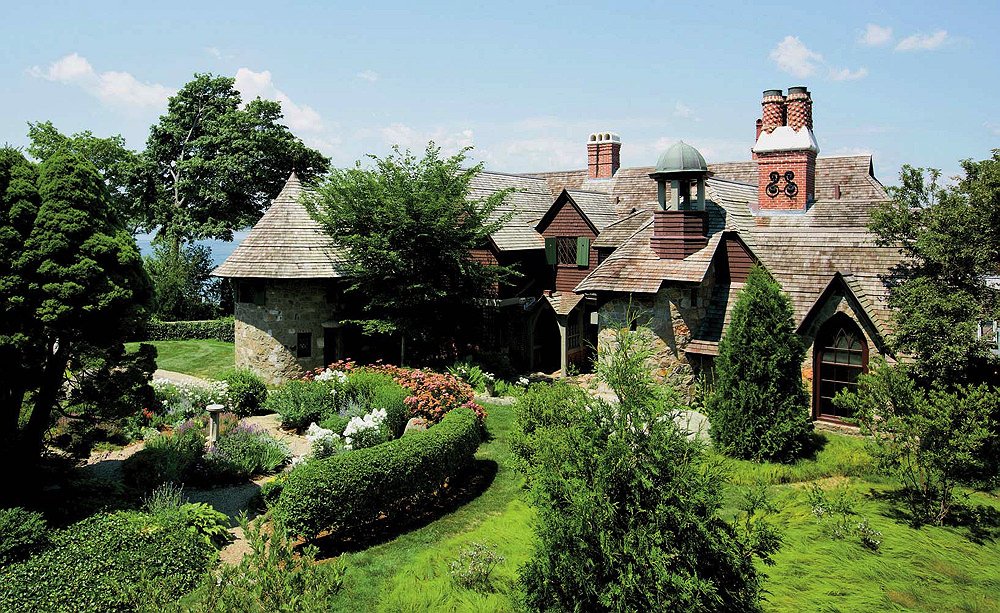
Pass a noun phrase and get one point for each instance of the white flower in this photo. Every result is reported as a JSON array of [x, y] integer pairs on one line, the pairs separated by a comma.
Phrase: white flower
[[331, 375], [523, 382]]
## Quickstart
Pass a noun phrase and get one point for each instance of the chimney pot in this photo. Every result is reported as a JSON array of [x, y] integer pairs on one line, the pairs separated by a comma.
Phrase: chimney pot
[[603, 155]]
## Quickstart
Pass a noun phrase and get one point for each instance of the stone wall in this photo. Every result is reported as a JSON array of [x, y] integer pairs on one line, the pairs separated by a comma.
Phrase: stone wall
[[267, 334], [673, 315]]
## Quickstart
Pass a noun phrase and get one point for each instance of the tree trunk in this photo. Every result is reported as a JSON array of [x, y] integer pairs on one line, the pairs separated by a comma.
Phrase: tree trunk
[[402, 350], [50, 384]]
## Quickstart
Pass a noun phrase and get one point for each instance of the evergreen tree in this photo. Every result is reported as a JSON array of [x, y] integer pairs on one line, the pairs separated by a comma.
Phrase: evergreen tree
[[82, 285], [759, 407]]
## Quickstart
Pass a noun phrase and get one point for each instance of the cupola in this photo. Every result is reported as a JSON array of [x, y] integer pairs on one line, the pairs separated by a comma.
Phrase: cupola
[[680, 228]]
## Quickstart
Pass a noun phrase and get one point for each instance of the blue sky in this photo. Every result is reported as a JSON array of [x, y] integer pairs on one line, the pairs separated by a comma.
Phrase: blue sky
[[525, 83]]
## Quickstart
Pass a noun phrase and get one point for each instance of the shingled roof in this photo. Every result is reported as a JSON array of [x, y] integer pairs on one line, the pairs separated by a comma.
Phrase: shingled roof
[[285, 244], [528, 201], [631, 188], [635, 267]]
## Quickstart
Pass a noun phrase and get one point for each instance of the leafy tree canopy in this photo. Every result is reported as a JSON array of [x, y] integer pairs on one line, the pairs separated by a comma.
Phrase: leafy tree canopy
[[408, 227], [950, 237], [759, 408], [117, 164], [211, 164]]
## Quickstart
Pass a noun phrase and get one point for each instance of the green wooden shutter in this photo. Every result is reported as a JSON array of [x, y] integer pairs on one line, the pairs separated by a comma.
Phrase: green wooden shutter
[[582, 251], [260, 296], [550, 250]]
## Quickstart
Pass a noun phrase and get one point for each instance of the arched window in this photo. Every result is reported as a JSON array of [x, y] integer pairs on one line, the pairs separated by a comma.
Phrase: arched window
[[840, 356]]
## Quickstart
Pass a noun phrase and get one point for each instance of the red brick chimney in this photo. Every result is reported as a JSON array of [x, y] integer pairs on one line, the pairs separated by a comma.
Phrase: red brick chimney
[[786, 151], [603, 155]]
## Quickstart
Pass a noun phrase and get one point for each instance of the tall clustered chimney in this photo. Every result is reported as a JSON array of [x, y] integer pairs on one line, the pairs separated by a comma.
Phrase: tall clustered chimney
[[603, 155], [786, 151]]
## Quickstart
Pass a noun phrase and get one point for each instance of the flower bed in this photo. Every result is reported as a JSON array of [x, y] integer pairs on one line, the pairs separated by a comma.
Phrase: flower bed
[[348, 491]]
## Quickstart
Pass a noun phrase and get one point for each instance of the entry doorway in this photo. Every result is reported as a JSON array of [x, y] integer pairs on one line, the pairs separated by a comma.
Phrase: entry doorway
[[546, 342]]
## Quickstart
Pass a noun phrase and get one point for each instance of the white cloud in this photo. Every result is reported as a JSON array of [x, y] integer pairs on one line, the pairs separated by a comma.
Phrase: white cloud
[[994, 128], [846, 74], [214, 52], [112, 88], [407, 137], [875, 35], [368, 75], [684, 111], [302, 118], [923, 42], [795, 58]]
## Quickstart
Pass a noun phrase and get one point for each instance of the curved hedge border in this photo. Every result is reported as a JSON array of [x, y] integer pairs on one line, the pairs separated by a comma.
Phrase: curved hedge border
[[351, 489], [218, 329]]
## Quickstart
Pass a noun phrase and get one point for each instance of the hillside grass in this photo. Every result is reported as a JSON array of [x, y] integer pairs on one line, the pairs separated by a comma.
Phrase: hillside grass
[[931, 568], [208, 359]]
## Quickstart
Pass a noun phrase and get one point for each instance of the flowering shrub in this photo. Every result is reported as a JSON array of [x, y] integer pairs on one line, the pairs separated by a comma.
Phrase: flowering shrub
[[183, 401], [362, 432], [325, 442], [474, 566], [244, 451], [300, 403], [432, 394]]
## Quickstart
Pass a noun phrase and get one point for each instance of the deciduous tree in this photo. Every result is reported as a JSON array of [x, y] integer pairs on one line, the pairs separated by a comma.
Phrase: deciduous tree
[[408, 227]]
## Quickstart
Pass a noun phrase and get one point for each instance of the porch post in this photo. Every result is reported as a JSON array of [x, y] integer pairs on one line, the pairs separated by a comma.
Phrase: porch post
[[562, 320]]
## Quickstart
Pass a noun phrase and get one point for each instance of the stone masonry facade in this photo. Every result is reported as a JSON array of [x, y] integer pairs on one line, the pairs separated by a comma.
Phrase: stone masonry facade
[[268, 335]]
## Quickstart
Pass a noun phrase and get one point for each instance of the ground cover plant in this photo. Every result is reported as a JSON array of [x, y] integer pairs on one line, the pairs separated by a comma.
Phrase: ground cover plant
[[208, 359], [120, 561]]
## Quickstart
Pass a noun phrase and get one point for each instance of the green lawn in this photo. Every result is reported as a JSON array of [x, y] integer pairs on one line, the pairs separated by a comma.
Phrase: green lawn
[[208, 359], [930, 568]]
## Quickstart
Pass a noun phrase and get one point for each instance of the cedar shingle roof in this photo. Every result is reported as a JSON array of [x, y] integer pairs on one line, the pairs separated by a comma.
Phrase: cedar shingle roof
[[631, 188], [598, 207], [620, 231], [635, 267], [285, 244], [527, 203]]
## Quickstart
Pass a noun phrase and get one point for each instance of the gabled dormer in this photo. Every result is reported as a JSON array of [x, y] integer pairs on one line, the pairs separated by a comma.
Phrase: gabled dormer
[[569, 228]]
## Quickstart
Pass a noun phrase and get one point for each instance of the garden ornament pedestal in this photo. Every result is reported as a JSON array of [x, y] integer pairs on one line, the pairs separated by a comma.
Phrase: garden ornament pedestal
[[214, 411]]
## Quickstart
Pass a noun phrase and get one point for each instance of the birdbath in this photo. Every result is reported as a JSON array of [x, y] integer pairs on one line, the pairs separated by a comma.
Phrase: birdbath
[[214, 411]]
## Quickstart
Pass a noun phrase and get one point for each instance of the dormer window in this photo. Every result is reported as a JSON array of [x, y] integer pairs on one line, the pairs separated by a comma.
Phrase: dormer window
[[988, 332]]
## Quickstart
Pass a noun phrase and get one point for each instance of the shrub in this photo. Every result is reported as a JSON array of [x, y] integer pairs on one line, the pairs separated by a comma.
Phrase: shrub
[[110, 562], [167, 458], [932, 440], [222, 329], [628, 507], [22, 532], [335, 423], [272, 576], [837, 514], [203, 520], [366, 431], [759, 409], [374, 390], [182, 401], [300, 403], [325, 443], [474, 566], [247, 392], [350, 490], [245, 451], [543, 406]]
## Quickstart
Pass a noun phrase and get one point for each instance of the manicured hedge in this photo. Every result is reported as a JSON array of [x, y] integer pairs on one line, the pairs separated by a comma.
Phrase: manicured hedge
[[218, 329], [120, 561], [349, 490]]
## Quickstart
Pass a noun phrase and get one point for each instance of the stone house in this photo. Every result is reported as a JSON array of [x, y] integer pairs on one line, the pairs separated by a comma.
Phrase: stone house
[[673, 241]]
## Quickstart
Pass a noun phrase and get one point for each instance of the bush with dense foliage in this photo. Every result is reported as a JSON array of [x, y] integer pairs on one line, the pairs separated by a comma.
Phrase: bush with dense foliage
[[121, 561], [628, 507], [349, 491], [300, 403], [932, 440], [272, 576], [180, 401], [222, 329], [166, 458], [22, 532], [759, 408], [246, 390]]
